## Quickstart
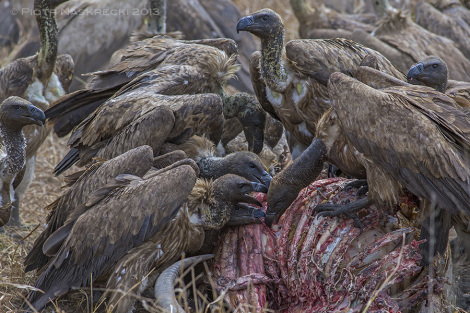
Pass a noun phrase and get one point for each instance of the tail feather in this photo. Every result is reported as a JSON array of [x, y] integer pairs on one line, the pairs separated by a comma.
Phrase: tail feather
[[70, 159], [73, 108]]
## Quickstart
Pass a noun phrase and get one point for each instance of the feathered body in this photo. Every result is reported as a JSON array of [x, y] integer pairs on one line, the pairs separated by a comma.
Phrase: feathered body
[[290, 82]]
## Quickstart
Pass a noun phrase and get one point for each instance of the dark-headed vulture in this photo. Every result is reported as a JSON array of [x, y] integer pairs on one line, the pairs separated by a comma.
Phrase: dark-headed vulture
[[290, 82], [15, 114], [432, 72], [40, 79], [134, 224], [406, 137], [396, 29]]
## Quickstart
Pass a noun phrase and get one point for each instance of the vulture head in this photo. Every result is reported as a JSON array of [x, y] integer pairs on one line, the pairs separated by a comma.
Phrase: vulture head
[[246, 109], [15, 113], [64, 69], [222, 195], [264, 24], [430, 71], [248, 165]]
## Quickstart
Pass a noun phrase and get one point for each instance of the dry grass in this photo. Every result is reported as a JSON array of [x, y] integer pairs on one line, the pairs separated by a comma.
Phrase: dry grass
[[15, 243]]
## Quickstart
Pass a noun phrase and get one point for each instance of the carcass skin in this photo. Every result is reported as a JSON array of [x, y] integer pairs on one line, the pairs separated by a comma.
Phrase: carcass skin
[[319, 264]]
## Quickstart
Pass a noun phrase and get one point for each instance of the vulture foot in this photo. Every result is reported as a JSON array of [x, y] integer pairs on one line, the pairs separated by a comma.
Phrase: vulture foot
[[358, 183], [15, 219], [333, 171], [348, 209]]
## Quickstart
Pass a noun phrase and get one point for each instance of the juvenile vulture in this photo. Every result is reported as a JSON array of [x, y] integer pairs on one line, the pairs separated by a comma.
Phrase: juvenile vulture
[[441, 24], [134, 225], [322, 22], [137, 162], [290, 82], [213, 60], [396, 29], [420, 144], [40, 79], [15, 113], [432, 72]]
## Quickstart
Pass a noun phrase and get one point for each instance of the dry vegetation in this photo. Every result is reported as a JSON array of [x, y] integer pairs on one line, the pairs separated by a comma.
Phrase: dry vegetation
[[45, 188]]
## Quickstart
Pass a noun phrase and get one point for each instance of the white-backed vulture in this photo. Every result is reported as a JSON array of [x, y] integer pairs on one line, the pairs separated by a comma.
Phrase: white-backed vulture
[[40, 79], [134, 225], [290, 82], [432, 72], [204, 56], [396, 28], [420, 144], [90, 31], [316, 21], [15, 113], [441, 24]]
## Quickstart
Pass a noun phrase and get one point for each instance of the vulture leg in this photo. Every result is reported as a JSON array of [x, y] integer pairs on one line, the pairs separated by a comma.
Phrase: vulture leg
[[358, 183], [347, 209], [435, 230], [15, 213], [244, 214]]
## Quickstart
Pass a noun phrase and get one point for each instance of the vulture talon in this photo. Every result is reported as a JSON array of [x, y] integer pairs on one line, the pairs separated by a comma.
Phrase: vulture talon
[[348, 209], [358, 183]]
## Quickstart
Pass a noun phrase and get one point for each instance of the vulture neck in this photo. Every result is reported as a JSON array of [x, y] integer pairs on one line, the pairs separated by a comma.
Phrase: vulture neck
[[157, 19], [15, 145], [212, 167], [272, 68], [237, 105], [49, 35]]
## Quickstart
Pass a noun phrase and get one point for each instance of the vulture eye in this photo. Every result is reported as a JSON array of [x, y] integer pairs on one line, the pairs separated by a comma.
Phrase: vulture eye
[[251, 165], [265, 18], [434, 66], [16, 107], [241, 185]]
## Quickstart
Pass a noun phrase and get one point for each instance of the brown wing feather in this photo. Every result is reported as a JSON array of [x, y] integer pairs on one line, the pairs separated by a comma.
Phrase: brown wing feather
[[320, 58], [105, 233], [15, 78], [400, 139], [136, 162]]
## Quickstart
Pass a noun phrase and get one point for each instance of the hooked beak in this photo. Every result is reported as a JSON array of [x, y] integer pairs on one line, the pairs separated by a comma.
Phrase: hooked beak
[[271, 218], [36, 115], [266, 179], [246, 198], [414, 71], [245, 23], [244, 214], [259, 187]]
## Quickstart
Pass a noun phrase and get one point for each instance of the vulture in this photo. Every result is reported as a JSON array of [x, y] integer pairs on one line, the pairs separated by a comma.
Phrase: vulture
[[212, 60], [405, 137], [432, 72], [133, 225], [90, 39], [320, 21], [198, 19], [396, 29], [137, 162], [40, 79], [290, 82], [15, 113], [441, 24]]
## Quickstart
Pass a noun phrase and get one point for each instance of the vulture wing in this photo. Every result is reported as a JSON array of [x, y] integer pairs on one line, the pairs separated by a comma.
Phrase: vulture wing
[[124, 219], [319, 58], [417, 137], [135, 162]]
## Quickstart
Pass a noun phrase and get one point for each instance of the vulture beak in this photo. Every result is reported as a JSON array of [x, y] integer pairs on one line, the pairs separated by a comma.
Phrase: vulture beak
[[266, 179], [255, 138], [244, 214], [36, 115], [259, 187], [271, 218], [414, 71], [246, 198], [245, 23]]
